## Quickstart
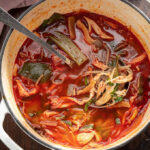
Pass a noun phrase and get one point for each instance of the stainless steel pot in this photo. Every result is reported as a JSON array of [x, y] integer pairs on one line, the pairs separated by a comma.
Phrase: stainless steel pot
[[119, 10]]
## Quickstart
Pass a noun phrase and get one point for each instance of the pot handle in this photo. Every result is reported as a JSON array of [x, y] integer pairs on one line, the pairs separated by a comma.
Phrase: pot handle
[[3, 135]]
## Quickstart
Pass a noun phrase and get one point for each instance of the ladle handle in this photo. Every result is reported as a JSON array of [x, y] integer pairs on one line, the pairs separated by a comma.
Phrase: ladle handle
[[7, 19], [3, 135]]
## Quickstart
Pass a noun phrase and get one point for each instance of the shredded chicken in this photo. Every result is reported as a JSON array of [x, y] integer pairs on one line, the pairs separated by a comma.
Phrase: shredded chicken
[[121, 104], [15, 70], [23, 91], [99, 64], [106, 96], [90, 86], [39, 79], [62, 102], [87, 37], [121, 93], [134, 114], [48, 123], [100, 89], [138, 59], [48, 113], [84, 138], [122, 78], [97, 29], [103, 85]]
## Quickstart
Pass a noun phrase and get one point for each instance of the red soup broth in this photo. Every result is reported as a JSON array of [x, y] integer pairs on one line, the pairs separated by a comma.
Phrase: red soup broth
[[62, 124]]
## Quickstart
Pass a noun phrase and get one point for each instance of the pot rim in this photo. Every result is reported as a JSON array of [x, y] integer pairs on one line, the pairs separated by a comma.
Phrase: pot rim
[[3, 93]]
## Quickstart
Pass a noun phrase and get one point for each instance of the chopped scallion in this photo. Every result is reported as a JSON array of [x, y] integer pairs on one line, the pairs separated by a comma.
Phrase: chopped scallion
[[117, 120], [31, 114], [68, 122], [118, 99], [87, 127], [116, 72], [86, 81], [115, 89], [60, 117], [88, 104], [110, 83]]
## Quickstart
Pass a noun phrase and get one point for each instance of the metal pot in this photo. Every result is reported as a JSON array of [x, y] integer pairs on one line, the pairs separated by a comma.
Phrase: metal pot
[[119, 10]]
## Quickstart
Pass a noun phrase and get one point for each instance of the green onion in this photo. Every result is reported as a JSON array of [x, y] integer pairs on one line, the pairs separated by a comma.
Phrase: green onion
[[117, 120], [31, 114], [110, 83], [66, 44], [68, 122], [54, 18], [118, 99], [88, 104], [111, 63], [87, 127], [115, 89], [86, 81], [116, 72], [39, 112], [60, 117]]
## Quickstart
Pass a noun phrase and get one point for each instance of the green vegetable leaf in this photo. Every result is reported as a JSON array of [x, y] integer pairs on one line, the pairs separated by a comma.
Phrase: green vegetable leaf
[[50, 42], [66, 44], [68, 122], [117, 120], [34, 70], [115, 89], [86, 81], [31, 114], [116, 72], [54, 18], [111, 63], [110, 83], [60, 117], [87, 127], [118, 99], [88, 104], [39, 112]]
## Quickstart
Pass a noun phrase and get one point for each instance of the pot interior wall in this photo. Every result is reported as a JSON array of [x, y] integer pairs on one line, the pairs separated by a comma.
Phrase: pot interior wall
[[114, 9]]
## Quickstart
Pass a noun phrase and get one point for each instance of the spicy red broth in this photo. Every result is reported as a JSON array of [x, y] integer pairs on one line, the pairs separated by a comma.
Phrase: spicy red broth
[[55, 99]]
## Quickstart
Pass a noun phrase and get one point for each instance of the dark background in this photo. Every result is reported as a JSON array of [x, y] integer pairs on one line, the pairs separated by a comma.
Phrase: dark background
[[141, 142]]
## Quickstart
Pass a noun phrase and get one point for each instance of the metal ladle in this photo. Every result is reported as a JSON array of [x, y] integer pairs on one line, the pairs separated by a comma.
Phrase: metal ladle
[[13, 23]]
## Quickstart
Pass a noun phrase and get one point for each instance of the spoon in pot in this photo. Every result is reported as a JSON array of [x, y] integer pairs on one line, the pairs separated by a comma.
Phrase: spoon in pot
[[13, 23]]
